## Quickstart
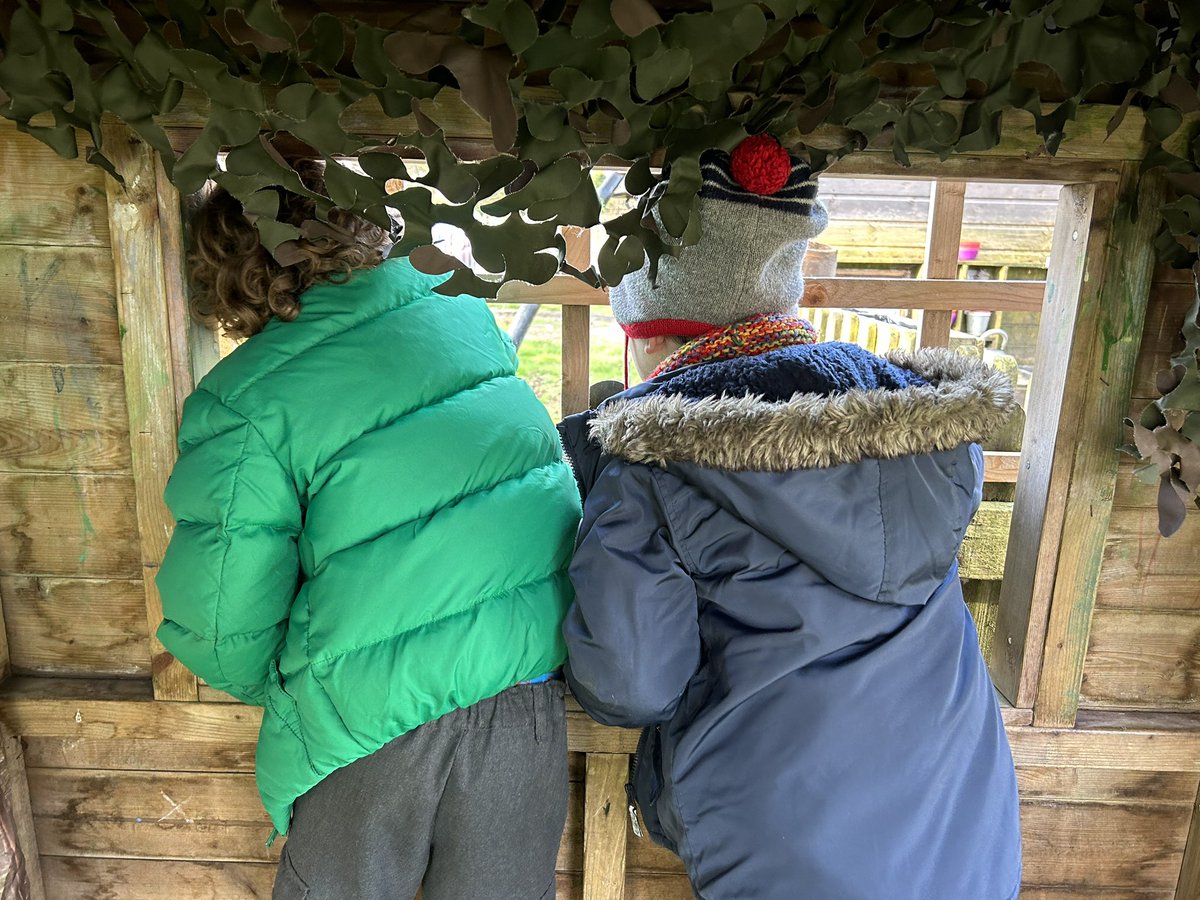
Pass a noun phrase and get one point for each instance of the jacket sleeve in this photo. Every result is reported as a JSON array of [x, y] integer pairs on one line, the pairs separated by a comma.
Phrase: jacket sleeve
[[633, 636], [231, 569]]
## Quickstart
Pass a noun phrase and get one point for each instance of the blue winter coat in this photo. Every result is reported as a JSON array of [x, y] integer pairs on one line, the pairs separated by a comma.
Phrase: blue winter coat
[[766, 581]]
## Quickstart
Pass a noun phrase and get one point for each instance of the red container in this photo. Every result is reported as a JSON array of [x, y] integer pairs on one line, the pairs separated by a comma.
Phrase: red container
[[968, 250]]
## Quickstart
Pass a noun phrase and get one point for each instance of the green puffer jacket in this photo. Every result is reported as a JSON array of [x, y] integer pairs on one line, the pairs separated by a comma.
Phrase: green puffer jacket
[[374, 522]]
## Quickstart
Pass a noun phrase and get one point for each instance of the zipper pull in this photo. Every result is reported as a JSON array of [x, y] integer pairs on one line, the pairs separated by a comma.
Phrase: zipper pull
[[633, 812]]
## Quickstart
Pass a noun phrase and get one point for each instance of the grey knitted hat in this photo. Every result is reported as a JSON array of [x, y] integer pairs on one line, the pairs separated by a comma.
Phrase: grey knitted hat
[[758, 211]]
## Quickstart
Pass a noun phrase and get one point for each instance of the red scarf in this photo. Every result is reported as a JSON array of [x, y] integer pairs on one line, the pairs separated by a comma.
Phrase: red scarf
[[753, 337]]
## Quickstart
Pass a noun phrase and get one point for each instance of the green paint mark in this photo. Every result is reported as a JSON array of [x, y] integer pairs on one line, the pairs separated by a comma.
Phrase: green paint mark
[[124, 331]]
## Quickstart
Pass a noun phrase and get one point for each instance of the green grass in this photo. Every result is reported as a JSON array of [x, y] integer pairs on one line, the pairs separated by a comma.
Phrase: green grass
[[541, 351]]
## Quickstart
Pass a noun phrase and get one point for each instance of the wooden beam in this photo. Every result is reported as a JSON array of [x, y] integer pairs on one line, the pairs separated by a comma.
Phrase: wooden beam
[[15, 787], [823, 293], [1120, 265], [1000, 467], [577, 331], [605, 826], [941, 254], [972, 167], [137, 244], [1051, 427], [1087, 137]]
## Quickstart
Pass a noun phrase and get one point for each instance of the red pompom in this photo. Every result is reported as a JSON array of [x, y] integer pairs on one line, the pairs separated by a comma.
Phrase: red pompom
[[761, 165]]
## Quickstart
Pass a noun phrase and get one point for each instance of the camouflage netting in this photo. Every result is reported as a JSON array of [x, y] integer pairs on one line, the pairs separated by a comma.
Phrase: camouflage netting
[[562, 87]]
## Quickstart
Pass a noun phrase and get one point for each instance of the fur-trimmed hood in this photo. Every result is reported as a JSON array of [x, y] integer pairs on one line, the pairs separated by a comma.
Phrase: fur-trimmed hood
[[851, 406]]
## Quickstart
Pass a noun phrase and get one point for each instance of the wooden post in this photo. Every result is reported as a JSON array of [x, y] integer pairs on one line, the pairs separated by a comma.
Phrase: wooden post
[[947, 199], [605, 826], [15, 788], [576, 332], [150, 374], [1059, 372], [1120, 267]]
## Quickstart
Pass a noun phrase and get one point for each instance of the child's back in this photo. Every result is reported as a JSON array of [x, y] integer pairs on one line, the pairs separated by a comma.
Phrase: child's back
[[373, 527], [822, 716], [766, 579]]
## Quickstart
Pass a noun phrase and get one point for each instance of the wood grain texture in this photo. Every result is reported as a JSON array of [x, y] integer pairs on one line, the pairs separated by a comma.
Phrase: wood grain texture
[[576, 358], [77, 878], [985, 543], [1149, 592], [74, 626], [1118, 785], [1121, 269], [1041, 492], [605, 826], [69, 525], [1143, 659], [1161, 338], [832, 293], [137, 240], [58, 304], [1135, 750], [1103, 844], [1143, 569], [63, 418], [45, 199], [1001, 467], [947, 199], [179, 320], [144, 755], [15, 787], [80, 812]]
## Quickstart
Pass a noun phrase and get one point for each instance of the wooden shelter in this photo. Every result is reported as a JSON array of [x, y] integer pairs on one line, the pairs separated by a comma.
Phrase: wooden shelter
[[131, 780]]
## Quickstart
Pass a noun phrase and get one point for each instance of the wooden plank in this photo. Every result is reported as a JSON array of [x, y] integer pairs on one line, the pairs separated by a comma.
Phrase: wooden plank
[[985, 543], [73, 626], [1001, 467], [68, 525], [142, 291], [605, 823], [45, 199], [1118, 785], [1133, 750], [1052, 892], [941, 253], [907, 293], [15, 787], [63, 418], [73, 878], [187, 335], [1161, 338], [1189, 875], [1103, 844], [1143, 659], [1134, 550], [576, 358], [1113, 319], [1148, 592], [1040, 495], [58, 304], [146, 755], [832, 293], [82, 812]]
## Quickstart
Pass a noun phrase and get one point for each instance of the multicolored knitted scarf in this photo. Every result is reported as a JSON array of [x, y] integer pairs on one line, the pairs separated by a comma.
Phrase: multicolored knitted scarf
[[753, 337]]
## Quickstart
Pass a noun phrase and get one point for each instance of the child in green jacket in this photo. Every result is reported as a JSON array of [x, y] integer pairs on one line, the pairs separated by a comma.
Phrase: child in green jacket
[[373, 527]]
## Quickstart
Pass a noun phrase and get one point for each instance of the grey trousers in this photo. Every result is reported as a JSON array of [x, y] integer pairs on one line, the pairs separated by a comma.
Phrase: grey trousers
[[468, 807]]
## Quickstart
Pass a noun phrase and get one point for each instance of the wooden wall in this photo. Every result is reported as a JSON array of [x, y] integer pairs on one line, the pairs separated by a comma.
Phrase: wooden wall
[[134, 797]]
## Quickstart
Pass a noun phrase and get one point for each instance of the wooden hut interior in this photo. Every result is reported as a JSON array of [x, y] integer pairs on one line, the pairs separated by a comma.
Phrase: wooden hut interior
[[124, 773]]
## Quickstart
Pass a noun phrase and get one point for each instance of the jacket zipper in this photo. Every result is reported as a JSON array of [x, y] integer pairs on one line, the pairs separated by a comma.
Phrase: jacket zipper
[[631, 792]]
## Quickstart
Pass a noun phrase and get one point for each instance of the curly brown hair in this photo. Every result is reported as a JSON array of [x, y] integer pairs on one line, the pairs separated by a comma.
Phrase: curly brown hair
[[238, 285]]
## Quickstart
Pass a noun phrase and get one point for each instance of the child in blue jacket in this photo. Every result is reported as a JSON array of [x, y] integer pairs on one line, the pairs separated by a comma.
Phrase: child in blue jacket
[[766, 578]]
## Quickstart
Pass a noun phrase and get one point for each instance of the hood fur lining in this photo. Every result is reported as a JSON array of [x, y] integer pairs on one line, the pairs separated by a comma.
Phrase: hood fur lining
[[964, 401]]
